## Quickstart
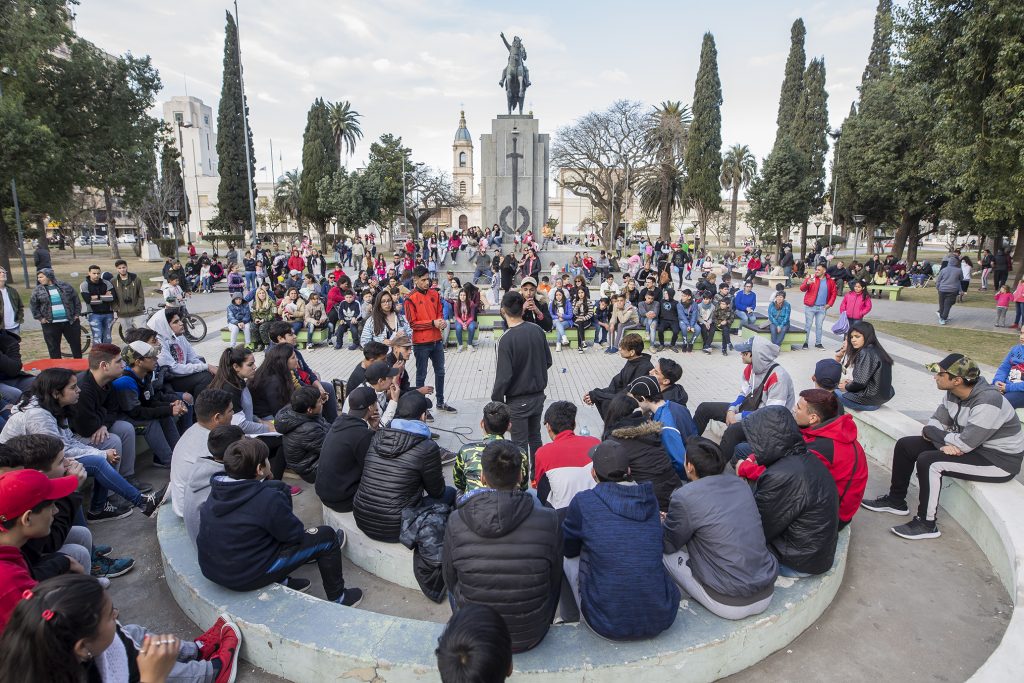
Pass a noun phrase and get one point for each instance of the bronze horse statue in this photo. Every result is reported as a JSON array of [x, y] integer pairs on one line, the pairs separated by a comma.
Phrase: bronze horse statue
[[515, 77]]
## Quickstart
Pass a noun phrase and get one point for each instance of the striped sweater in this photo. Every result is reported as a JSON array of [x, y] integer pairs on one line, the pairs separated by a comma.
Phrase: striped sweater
[[983, 423]]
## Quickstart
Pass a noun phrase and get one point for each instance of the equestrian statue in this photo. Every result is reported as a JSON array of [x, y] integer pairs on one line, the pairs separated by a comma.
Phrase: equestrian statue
[[516, 77]]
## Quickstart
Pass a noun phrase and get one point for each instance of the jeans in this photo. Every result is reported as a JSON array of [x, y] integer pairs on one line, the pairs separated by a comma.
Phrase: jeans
[[162, 436], [619, 332], [481, 272], [600, 333], [526, 412], [918, 279], [323, 546], [852, 404], [560, 327], [778, 334], [746, 318], [916, 452], [689, 335], [100, 323], [208, 284], [250, 280], [946, 301], [11, 389], [120, 437], [246, 332], [815, 314], [71, 331], [343, 327], [1015, 398], [581, 333], [107, 479], [1019, 316], [188, 668], [459, 327], [651, 326], [433, 352]]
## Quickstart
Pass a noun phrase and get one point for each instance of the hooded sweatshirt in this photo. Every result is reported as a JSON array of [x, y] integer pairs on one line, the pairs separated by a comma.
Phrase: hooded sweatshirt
[[623, 595], [503, 550], [778, 387], [197, 491], [176, 354], [948, 279], [242, 526], [835, 443]]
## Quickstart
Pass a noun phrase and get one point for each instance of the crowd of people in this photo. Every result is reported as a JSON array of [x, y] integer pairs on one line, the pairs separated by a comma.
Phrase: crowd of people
[[610, 530]]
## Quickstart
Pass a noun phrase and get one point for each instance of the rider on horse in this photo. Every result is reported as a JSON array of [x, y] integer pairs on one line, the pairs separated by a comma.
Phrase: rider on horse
[[516, 62]]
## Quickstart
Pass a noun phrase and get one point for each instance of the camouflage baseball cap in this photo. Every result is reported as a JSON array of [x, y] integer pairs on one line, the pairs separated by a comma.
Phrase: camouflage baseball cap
[[957, 365]]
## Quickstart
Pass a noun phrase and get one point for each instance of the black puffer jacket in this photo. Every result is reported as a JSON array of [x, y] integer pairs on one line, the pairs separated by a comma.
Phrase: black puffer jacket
[[302, 436], [648, 461], [504, 551], [399, 467], [795, 495]]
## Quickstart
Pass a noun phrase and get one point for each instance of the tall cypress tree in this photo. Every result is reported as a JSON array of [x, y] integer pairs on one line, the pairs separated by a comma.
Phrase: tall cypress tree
[[792, 85], [704, 146], [233, 193], [880, 57], [173, 184], [319, 162], [809, 131]]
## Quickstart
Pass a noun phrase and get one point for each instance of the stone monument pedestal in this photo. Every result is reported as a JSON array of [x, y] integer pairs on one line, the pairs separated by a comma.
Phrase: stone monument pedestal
[[514, 161]]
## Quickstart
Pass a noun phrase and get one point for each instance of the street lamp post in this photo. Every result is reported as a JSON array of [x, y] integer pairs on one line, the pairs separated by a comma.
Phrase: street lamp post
[[858, 221]]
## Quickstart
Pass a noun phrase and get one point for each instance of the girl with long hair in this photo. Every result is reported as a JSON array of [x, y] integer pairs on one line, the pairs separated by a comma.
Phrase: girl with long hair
[[237, 367], [560, 309], [292, 309], [65, 630], [44, 409], [582, 316], [264, 312], [465, 319], [384, 321], [274, 382], [856, 303], [871, 367]]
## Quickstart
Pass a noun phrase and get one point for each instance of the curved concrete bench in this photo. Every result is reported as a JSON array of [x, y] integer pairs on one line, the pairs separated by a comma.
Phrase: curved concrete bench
[[389, 561], [302, 638], [991, 514]]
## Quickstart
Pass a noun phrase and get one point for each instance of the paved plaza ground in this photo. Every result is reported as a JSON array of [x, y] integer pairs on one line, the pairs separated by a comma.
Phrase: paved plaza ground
[[910, 611]]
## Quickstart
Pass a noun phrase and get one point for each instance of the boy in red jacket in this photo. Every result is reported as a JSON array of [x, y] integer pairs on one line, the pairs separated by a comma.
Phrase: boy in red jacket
[[425, 314], [819, 294]]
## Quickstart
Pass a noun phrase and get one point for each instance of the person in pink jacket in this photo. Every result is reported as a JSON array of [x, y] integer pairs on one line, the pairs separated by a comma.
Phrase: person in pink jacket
[[857, 303], [1018, 299]]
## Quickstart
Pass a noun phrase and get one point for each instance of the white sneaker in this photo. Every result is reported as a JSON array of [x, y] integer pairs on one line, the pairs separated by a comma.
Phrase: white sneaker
[[558, 346], [472, 349]]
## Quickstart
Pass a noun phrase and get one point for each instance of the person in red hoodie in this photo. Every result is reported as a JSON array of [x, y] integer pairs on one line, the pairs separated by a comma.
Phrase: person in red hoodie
[[296, 262], [26, 512], [819, 294], [425, 314], [833, 438]]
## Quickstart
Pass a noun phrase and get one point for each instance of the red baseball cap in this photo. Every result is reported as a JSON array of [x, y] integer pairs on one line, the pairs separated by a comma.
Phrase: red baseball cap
[[22, 490]]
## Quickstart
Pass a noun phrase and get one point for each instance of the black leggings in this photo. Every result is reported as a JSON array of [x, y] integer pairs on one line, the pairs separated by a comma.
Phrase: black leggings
[[917, 452], [734, 434], [668, 325], [581, 332]]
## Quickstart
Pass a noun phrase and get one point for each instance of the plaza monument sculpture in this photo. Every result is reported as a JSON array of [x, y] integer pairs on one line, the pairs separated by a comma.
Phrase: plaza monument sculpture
[[516, 77]]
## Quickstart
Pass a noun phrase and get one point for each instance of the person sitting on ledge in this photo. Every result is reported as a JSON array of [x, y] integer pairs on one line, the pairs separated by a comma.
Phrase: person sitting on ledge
[[563, 465], [344, 450], [402, 470], [675, 420], [795, 493], [714, 544], [249, 537], [302, 427], [668, 373], [475, 646], [495, 424], [186, 371], [198, 488], [503, 550], [640, 437], [871, 386], [833, 438], [637, 364], [1009, 378], [974, 435], [213, 409], [622, 595]]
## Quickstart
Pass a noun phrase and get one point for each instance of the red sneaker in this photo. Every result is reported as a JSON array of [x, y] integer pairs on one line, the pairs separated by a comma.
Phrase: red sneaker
[[210, 640], [227, 654], [296, 490]]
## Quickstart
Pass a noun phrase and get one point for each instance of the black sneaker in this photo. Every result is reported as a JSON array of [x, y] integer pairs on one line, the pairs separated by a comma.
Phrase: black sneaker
[[819, 346], [142, 486], [447, 457], [445, 408], [296, 584], [888, 504], [350, 598], [917, 529], [151, 501], [429, 417], [108, 513], [804, 346]]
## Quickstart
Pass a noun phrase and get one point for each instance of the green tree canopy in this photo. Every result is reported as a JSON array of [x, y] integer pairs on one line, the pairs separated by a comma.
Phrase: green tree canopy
[[233, 208], [704, 146], [318, 163]]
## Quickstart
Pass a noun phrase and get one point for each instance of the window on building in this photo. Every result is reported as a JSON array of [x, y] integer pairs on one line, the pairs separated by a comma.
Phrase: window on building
[[204, 200], [462, 187], [206, 120], [462, 159], [179, 117]]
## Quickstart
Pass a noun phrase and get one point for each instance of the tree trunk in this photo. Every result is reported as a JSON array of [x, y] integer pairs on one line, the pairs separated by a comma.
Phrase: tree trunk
[[908, 222], [732, 215], [1018, 257], [41, 229], [5, 246], [803, 242], [666, 212], [869, 249], [108, 201], [913, 241]]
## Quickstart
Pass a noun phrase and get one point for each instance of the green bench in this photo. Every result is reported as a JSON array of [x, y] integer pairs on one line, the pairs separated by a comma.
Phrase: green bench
[[892, 290], [319, 336]]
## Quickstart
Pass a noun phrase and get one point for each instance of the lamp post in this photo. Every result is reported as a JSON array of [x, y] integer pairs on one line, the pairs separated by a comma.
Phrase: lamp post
[[184, 195], [173, 213], [694, 224], [858, 221]]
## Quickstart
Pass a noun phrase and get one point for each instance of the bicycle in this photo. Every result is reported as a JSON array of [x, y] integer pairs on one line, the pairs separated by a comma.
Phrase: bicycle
[[195, 326]]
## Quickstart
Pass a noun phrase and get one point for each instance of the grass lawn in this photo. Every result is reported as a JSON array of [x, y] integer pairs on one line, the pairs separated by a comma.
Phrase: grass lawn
[[984, 347], [973, 297]]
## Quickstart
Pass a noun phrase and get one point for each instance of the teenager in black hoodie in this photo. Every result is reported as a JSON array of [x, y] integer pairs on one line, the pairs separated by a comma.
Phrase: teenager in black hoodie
[[249, 537], [637, 363]]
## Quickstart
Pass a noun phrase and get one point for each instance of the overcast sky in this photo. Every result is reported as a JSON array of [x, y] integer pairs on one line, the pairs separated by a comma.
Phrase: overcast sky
[[408, 66]]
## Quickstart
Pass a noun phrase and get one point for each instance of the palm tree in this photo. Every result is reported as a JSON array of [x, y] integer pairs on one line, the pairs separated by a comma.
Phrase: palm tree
[[738, 168], [288, 198], [661, 189], [344, 126]]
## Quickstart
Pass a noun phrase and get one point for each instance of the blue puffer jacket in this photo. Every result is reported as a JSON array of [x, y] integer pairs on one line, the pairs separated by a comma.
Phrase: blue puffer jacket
[[1011, 370], [623, 595], [239, 313], [687, 315]]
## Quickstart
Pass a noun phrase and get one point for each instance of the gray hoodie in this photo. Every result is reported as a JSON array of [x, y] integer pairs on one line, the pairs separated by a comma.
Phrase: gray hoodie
[[948, 279], [197, 491], [176, 354], [778, 389]]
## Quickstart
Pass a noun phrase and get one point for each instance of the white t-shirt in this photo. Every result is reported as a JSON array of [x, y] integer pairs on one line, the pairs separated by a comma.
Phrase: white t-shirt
[[9, 322]]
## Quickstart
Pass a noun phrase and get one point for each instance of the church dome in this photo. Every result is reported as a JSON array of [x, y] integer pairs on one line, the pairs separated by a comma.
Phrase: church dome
[[462, 134]]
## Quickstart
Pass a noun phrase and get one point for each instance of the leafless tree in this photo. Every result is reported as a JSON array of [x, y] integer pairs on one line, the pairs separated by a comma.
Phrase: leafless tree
[[429, 192], [602, 155]]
